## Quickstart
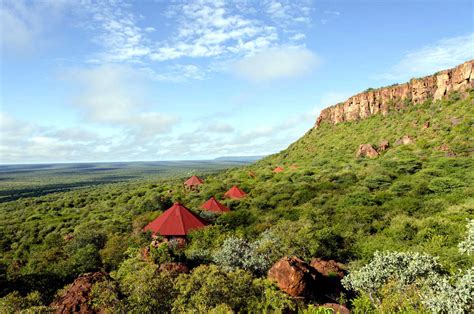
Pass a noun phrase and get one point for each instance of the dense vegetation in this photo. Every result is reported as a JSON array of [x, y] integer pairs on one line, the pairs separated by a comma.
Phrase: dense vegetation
[[413, 198]]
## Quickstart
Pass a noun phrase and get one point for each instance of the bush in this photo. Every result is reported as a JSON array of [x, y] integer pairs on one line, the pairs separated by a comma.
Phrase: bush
[[467, 245], [444, 185], [104, 297], [411, 282], [14, 303], [209, 287], [238, 253], [404, 268], [146, 289], [449, 295]]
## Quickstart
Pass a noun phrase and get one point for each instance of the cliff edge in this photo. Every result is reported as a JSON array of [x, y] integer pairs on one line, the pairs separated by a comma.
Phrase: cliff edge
[[386, 99]]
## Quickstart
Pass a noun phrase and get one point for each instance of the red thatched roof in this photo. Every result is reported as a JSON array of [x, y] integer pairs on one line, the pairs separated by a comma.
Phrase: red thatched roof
[[214, 206], [175, 221], [194, 181], [235, 192]]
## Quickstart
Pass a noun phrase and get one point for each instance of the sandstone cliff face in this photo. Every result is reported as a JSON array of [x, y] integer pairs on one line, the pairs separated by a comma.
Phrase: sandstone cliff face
[[386, 99]]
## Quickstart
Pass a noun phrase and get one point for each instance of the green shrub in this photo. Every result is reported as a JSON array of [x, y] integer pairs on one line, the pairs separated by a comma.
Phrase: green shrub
[[444, 185]]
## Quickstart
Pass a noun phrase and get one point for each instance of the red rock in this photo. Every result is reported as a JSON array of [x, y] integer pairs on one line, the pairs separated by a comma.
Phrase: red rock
[[391, 98], [179, 268], [366, 150], [329, 282], [384, 145], [75, 299], [405, 140], [328, 268], [293, 276]]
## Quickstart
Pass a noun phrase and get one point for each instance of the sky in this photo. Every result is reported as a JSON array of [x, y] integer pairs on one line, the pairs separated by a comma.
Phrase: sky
[[87, 81]]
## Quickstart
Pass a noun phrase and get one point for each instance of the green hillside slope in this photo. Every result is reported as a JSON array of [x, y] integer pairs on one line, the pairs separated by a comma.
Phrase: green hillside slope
[[412, 196]]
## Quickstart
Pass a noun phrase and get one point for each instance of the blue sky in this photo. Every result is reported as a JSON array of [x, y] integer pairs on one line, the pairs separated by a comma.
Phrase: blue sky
[[167, 80]]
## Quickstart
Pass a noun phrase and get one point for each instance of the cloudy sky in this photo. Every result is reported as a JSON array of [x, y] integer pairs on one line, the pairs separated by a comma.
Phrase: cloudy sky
[[164, 80]]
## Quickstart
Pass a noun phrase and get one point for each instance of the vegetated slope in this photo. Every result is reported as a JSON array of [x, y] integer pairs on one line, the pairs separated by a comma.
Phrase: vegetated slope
[[411, 197]]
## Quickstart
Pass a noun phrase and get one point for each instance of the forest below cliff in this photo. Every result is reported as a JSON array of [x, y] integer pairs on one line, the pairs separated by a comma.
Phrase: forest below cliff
[[415, 196]]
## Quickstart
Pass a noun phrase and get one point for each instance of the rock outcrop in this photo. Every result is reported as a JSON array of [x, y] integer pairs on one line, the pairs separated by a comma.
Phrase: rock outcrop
[[329, 283], [320, 280], [329, 268], [75, 298], [366, 150], [405, 140], [386, 99], [293, 276], [383, 146]]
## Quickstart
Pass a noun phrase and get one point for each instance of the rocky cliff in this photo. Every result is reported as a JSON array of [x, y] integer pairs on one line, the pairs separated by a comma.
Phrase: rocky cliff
[[386, 99]]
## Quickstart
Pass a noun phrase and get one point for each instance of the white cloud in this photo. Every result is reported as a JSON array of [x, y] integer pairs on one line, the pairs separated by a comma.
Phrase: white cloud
[[445, 53], [329, 12], [178, 73], [217, 127], [26, 142], [277, 63], [116, 29], [24, 24], [117, 95], [210, 29], [288, 12], [22, 141], [201, 29], [298, 36], [328, 15]]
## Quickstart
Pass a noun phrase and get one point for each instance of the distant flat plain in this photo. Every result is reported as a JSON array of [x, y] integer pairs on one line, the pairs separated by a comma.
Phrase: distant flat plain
[[29, 180]]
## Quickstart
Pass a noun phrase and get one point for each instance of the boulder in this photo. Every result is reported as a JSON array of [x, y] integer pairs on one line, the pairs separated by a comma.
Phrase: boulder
[[293, 276], [383, 146], [329, 283], [329, 268], [405, 140], [172, 267], [366, 150], [337, 308], [75, 298], [426, 125]]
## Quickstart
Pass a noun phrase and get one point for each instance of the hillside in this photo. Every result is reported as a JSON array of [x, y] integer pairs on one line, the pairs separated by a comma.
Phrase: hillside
[[415, 195]]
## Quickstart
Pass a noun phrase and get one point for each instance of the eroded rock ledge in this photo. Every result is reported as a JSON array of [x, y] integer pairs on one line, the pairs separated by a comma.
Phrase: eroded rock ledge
[[386, 99]]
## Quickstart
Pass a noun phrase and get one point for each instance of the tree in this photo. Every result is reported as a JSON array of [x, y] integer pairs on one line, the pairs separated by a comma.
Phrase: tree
[[145, 287], [114, 251], [208, 287]]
